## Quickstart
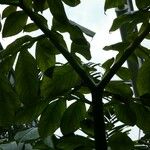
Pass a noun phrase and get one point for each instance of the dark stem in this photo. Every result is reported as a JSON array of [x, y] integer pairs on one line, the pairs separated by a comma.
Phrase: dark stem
[[99, 125]]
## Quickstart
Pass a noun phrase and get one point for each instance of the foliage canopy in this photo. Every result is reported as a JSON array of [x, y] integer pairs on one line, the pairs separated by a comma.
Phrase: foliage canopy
[[35, 91]]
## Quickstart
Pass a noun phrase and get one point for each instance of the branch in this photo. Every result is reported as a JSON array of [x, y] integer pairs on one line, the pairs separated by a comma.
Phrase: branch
[[128, 51], [76, 66]]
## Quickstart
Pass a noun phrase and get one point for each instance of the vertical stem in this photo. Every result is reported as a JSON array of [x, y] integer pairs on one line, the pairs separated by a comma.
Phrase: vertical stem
[[99, 125]]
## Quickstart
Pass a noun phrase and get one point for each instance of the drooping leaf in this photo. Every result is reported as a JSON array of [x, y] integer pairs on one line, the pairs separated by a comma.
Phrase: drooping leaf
[[74, 142], [16, 46], [63, 79], [30, 27], [40, 5], [131, 19], [9, 102], [120, 141], [13, 26], [50, 118], [120, 88], [72, 117], [27, 114], [8, 10], [45, 56], [106, 65], [125, 114], [141, 4], [113, 4], [124, 73], [27, 135], [26, 73], [143, 117], [72, 3], [57, 10], [143, 78]]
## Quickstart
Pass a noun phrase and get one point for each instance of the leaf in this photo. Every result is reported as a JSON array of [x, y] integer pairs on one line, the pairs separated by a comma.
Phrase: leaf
[[72, 117], [141, 4], [63, 79], [120, 141], [13, 26], [26, 73], [16, 46], [8, 10], [117, 46], [113, 4], [124, 73], [143, 78], [106, 65], [9, 102], [143, 117], [27, 135], [39, 5], [128, 19], [74, 142], [50, 118], [27, 114], [125, 114], [72, 3], [44, 55], [8, 146], [120, 88], [30, 27], [58, 11]]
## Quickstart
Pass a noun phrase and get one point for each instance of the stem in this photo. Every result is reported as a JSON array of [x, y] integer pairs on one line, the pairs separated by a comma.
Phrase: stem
[[99, 125]]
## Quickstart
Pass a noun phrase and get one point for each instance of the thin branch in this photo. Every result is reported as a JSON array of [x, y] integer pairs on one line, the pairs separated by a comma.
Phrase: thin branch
[[76, 66], [128, 51]]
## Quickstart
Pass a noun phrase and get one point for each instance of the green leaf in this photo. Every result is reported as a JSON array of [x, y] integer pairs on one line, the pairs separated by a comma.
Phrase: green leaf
[[107, 64], [125, 114], [58, 11], [113, 4], [72, 3], [26, 73], [27, 114], [63, 79], [27, 135], [72, 117], [141, 4], [40, 5], [117, 46], [128, 19], [143, 78], [30, 27], [16, 46], [120, 141], [74, 142], [143, 117], [50, 118], [44, 55], [120, 88], [13, 26], [8, 10], [124, 73], [8, 146], [9, 102]]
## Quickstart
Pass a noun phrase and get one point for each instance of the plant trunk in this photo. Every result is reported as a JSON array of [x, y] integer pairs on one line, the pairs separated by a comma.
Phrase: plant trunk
[[99, 125]]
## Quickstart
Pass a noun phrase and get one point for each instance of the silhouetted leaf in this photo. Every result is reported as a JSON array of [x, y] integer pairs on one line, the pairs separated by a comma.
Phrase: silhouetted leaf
[[27, 84], [50, 117], [13, 26], [72, 117]]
